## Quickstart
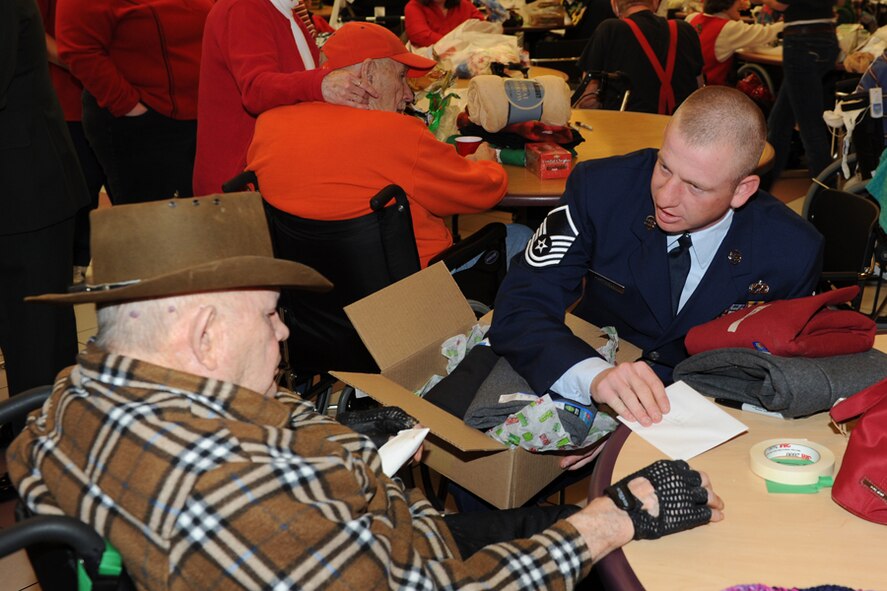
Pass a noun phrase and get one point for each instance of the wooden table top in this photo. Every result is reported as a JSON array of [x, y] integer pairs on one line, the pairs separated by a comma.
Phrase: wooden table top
[[768, 56], [790, 540], [613, 133]]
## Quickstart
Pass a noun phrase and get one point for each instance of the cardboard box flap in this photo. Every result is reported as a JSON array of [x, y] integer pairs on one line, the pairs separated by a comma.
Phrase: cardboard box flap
[[422, 310], [444, 425]]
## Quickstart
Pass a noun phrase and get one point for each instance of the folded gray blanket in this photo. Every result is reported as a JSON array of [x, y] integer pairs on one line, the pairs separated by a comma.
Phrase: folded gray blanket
[[792, 386], [485, 411]]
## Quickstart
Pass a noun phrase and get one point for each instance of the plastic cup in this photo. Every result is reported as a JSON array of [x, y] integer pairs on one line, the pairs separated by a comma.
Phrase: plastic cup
[[468, 144]]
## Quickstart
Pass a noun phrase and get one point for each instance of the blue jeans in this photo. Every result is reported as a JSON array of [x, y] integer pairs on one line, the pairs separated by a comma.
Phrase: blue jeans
[[516, 238], [806, 59]]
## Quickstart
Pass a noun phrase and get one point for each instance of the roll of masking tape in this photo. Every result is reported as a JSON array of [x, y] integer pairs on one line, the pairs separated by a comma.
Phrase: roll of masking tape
[[813, 459]]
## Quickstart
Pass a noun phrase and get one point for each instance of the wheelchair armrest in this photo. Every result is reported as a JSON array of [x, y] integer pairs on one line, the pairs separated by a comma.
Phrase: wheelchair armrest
[[466, 249], [245, 181], [73, 533], [20, 405]]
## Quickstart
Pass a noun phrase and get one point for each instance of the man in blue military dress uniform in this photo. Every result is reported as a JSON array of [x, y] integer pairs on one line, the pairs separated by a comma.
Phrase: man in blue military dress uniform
[[654, 243]]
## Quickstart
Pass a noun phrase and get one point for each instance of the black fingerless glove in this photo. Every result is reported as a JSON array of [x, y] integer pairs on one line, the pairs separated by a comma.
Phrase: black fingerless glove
[[682, 499], [377, 423]]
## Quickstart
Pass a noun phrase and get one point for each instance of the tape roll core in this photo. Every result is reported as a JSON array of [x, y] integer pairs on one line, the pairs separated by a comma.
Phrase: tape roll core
[[763, 456]]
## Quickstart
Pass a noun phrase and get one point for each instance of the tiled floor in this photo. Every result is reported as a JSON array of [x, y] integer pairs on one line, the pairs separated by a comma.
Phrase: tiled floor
[[15, 571]]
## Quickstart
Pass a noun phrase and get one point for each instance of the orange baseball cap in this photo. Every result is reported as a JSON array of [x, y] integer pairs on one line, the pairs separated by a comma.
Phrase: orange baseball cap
[[357, 41]]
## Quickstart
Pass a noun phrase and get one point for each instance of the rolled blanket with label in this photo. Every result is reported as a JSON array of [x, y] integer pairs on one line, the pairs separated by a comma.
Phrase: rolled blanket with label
[[495, 102], [791, 386]]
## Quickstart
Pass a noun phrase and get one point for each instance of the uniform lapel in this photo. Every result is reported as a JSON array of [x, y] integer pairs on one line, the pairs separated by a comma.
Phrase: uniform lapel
[[649, 267]]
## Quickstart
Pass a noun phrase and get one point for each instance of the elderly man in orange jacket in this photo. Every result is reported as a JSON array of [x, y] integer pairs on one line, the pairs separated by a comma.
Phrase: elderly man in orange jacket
[[320, 161]]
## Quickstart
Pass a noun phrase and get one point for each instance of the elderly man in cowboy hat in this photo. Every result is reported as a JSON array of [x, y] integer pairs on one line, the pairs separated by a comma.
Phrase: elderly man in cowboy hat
[[169, 437]]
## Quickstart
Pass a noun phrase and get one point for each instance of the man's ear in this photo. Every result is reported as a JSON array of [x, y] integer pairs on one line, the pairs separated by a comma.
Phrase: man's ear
[[368, 70], [203, 337], [744, 190]]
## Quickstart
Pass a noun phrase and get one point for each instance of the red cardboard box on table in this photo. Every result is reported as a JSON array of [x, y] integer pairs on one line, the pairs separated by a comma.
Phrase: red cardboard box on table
[[548, 161]]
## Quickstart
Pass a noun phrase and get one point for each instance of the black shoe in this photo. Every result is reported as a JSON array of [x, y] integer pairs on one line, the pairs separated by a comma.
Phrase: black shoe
[[7, 491]]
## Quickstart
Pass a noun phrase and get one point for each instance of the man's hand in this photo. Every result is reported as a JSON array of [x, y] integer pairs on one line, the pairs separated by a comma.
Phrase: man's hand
[[605, 526], [589, 98], [341, 87], [484, 152], [666, 497], [583, 458], [137, 110], [633, 391]]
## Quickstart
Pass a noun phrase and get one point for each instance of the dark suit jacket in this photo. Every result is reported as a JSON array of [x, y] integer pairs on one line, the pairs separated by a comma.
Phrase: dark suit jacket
[[601, 235], [42, 182]]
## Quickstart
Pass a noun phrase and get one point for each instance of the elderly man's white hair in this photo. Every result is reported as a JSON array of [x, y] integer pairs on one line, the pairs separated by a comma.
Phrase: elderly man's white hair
[[139, 325], [143, 326]]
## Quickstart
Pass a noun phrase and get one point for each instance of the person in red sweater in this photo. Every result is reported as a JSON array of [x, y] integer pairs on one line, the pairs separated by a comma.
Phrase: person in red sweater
[[306, 171], [257, 55], [427, 21], [138, 63]]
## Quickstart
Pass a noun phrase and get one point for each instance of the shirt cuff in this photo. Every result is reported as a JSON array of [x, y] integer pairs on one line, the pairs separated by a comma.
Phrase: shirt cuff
[[575, 384]]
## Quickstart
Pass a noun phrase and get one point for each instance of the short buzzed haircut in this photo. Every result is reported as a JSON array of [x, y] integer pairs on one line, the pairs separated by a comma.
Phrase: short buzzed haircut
[[722, 116], [716, 6]]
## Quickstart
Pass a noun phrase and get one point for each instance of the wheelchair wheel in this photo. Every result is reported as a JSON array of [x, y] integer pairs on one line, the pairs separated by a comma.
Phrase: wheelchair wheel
[[832, 178], [480, 309]]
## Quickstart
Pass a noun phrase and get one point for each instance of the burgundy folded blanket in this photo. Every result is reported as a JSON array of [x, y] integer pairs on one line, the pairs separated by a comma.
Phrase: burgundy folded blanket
[[803, 327]]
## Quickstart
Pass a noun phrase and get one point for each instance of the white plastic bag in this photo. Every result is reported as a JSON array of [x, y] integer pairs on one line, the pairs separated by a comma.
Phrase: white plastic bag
[[470, 48]]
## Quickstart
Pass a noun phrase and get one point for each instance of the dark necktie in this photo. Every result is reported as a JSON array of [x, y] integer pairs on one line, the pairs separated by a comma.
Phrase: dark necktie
[[301, 11], [678, 269]]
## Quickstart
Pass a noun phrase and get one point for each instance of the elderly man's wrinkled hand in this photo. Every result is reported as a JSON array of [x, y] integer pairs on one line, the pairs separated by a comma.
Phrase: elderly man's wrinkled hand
[[484, 152], [633, 390], [341, 87], [666, 497]]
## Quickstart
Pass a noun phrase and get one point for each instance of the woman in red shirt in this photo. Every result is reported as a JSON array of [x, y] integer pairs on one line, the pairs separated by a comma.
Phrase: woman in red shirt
[[139, 64], [428, 20]]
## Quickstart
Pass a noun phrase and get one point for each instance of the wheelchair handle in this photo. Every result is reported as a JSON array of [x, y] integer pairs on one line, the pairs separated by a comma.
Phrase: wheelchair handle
[[21, 404], [241, 182], [78, 536], [381, 199]]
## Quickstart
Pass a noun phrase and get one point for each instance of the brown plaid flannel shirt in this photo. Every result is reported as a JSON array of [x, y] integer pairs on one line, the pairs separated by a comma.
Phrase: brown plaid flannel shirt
[[204, 485]]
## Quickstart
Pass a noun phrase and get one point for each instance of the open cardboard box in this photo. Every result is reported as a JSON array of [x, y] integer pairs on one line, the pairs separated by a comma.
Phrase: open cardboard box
[[403, 327]]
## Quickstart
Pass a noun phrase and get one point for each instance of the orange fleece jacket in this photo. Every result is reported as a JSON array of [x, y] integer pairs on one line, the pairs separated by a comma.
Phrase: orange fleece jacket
[[324, 162]]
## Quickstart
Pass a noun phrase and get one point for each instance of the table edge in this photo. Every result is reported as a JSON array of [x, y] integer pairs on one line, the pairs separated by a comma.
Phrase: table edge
[[613, 569]]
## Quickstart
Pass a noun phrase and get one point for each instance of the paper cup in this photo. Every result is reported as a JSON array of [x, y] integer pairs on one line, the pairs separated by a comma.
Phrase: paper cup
[[468, 144]]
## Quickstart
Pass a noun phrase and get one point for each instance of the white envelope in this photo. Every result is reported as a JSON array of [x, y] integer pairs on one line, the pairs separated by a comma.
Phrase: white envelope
[[694, 425]]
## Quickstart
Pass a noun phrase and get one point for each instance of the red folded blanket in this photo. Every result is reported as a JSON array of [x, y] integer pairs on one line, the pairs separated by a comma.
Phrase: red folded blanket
[[803, 327]]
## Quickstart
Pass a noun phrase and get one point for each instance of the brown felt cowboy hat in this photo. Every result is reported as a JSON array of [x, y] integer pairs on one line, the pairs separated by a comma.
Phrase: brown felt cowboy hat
[[166, 248]]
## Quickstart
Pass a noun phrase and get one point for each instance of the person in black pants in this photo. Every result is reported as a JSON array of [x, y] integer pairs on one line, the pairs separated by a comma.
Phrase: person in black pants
[[810, 50], [43, 191]]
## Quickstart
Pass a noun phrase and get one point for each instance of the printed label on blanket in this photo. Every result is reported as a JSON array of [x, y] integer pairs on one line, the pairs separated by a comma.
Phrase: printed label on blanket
[[524, 100]]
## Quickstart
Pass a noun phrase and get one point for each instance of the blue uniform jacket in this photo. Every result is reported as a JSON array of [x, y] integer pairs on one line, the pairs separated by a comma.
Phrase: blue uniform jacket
[[602, 236]]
